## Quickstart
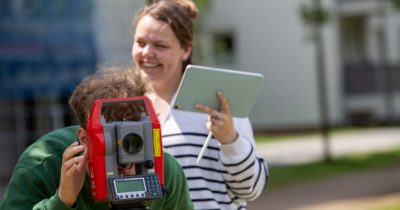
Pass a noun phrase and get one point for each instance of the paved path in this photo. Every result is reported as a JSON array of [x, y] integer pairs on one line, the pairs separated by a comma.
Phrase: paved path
[[365, 203], [361, 190], [310, 149]]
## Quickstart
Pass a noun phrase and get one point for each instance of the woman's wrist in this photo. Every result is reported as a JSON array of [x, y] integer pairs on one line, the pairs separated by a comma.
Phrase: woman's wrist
[[229, 139]]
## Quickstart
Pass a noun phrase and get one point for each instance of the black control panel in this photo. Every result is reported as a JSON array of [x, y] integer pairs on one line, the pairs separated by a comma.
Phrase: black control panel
[[136, 188]]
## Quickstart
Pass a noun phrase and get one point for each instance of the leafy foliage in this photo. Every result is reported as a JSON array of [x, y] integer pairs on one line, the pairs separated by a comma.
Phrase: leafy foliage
[[396, 4], [312, 16], [201, 4]]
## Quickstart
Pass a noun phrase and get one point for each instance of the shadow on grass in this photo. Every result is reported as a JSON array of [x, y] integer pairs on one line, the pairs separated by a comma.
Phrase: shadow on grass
[[283, 176]]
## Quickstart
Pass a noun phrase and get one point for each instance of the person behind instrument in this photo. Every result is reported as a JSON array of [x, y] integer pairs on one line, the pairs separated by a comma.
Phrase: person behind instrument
[[231, 171], [52, 172]]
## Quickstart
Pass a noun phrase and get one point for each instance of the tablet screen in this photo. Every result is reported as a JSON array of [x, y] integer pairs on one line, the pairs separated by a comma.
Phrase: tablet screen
[[200, 85]]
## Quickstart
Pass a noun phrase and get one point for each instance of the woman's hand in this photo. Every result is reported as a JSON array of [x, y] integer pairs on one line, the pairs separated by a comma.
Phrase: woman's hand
[[73, 171], [220, 123]]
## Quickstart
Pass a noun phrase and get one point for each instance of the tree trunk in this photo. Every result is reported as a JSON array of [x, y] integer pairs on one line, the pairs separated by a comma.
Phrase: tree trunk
[[322, 90]]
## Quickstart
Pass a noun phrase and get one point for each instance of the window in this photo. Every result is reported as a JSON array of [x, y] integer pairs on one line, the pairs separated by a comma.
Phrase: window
[[224, 50]]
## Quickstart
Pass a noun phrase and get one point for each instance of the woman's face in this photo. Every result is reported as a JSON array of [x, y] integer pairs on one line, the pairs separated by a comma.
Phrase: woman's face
[[157, 51]]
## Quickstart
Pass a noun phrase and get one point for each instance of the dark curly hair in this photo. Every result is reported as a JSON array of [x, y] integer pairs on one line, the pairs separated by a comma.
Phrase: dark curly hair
[[110, 82]]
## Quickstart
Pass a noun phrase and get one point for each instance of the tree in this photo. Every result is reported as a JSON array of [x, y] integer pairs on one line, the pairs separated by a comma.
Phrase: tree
[[315, 17]]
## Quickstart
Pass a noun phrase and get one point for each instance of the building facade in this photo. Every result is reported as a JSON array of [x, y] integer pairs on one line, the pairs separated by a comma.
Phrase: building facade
[[362, 54]]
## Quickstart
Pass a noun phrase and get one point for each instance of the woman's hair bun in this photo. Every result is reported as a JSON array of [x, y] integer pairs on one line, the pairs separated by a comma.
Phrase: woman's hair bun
[[190, 7]]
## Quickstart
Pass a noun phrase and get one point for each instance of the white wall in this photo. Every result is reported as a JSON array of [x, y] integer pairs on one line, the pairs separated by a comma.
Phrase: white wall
[[113, 31], [271, 41]]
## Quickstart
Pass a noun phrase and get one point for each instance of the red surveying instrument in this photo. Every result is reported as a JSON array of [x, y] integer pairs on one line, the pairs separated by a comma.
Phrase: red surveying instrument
[[122, 143]]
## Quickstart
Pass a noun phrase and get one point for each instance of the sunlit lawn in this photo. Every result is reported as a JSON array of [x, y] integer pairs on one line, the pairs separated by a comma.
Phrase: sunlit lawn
[[391, 207], [260, 138], [282, 176]]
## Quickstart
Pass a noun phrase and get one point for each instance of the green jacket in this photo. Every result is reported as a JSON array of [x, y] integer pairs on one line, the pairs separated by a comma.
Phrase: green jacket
[[36, 179]]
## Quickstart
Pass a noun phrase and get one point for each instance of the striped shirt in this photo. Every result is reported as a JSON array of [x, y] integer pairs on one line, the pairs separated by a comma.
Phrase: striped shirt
[[228, 175]]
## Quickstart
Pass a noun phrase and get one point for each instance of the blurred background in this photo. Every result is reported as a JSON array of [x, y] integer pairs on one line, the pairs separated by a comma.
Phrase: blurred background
[[327, 115]]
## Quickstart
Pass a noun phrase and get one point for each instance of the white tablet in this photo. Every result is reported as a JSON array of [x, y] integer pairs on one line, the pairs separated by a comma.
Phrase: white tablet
[[200, 85]]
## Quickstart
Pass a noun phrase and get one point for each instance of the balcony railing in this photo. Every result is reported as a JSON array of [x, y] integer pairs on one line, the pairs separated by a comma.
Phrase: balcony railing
[[368, 78]]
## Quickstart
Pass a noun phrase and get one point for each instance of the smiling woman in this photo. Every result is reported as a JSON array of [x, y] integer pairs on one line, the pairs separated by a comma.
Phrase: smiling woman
[[157, 52], [231, 172], [162, 48]]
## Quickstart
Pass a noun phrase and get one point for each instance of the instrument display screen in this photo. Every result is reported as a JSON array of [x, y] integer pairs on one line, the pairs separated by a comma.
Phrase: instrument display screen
[[129, 186]]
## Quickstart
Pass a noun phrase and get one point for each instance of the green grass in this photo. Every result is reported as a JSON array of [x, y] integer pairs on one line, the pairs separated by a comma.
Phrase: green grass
[[391, 207], [282, 176], [259, 137]]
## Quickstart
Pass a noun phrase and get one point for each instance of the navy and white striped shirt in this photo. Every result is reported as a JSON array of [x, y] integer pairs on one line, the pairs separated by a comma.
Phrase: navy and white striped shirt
[[228, 175]]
